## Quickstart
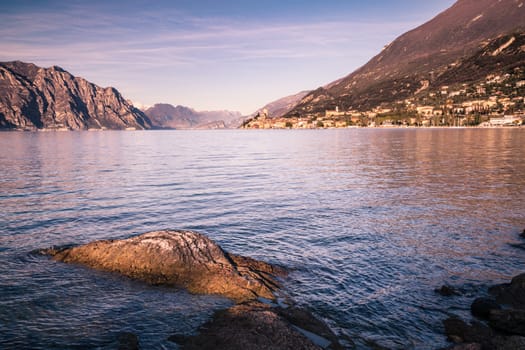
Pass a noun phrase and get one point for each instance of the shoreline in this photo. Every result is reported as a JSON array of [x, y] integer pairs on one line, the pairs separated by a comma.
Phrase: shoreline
[[498, 319], [224, 129]]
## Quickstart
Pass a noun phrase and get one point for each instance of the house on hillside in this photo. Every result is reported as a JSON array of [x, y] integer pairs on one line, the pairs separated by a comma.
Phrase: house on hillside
[[425, 110]]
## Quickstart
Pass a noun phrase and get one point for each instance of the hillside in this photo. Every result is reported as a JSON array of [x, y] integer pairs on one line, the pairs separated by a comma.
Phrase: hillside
[[421, 58], [280, 107], [34, 98]]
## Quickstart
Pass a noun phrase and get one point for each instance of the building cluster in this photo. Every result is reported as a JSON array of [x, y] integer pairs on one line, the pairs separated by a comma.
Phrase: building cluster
[[498, 101]]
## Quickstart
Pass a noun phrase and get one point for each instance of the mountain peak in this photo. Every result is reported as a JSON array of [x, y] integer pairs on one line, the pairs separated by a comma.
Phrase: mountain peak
[[421, 54], [32, 98]]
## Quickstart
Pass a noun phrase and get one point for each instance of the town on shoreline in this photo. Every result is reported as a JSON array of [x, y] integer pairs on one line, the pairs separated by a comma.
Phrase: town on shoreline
[[261, 121], [497, 101]]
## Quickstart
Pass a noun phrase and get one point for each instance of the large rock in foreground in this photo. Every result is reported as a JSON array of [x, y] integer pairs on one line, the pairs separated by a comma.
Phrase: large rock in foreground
[[181, 258]]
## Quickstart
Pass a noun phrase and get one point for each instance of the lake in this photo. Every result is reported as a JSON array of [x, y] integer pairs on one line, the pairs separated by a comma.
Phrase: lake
[[369, 222]]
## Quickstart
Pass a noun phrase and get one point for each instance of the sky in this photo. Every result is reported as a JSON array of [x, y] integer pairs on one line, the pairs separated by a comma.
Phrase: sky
[[207, 54]]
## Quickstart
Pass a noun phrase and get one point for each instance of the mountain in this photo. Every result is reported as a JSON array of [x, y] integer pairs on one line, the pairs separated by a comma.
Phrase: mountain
[[33, 98], [165, 115], [280, 107], [421, 58]]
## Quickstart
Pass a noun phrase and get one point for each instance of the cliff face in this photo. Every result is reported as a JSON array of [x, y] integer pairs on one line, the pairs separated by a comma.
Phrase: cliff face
[[419, 57], [33, 98]]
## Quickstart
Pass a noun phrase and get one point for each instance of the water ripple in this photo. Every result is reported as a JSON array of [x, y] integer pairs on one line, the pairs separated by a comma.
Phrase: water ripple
[[368, 221]]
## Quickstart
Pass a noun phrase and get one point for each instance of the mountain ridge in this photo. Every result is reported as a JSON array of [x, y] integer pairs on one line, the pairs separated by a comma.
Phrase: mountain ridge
[[281, 106], [33, 98], [419, 55]]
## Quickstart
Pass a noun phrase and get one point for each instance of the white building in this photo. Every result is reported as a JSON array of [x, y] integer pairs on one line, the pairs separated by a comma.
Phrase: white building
[[507, 120]]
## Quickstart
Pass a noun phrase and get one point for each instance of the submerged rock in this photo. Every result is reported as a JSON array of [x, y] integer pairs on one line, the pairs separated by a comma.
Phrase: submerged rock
[[257, 326], [181, 258], [470, 346], [481, 307], [447, 291], [128, 341], [458, 331]]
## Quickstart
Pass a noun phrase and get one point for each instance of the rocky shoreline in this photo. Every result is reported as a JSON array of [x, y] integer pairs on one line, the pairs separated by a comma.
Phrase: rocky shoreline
[[500, 318], [259, 319], [190, 260]]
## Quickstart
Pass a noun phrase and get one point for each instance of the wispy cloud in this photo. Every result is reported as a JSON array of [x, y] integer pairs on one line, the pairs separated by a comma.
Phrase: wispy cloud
[[106, 39], [129, 47]]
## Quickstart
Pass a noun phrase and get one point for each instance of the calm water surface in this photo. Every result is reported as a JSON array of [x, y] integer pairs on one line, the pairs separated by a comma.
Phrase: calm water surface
[[369, 222]]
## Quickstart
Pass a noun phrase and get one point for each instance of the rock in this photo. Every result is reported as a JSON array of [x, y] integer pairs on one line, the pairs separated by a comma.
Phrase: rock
[[518, 245], [316, 330], [509, 321], [180, 258], [470, 346], [507, 325], [254, 326], [523, 234], [507, 343], [447, 291], [128, 341], [512, 293], [177, 338], [458, 331], [481, 307]]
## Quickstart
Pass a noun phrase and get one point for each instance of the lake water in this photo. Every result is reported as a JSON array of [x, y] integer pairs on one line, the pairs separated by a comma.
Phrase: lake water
[[369, 221]]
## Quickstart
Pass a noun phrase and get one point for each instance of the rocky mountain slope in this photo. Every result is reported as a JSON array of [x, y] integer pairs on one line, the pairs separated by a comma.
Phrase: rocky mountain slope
[[420, 58], [165, 115], [280, 107], [33, 98]]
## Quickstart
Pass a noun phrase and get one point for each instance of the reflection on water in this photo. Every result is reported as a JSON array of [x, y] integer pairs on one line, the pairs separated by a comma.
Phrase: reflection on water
[[370, 221]]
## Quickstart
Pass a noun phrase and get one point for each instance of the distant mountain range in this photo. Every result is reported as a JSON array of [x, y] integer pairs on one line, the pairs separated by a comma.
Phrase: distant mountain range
[[460, 48], [163, 115], [34, 98], [438, 52]]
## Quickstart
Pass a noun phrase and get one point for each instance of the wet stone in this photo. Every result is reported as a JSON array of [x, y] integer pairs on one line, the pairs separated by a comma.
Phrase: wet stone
[[447, 291], [481, 307]]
